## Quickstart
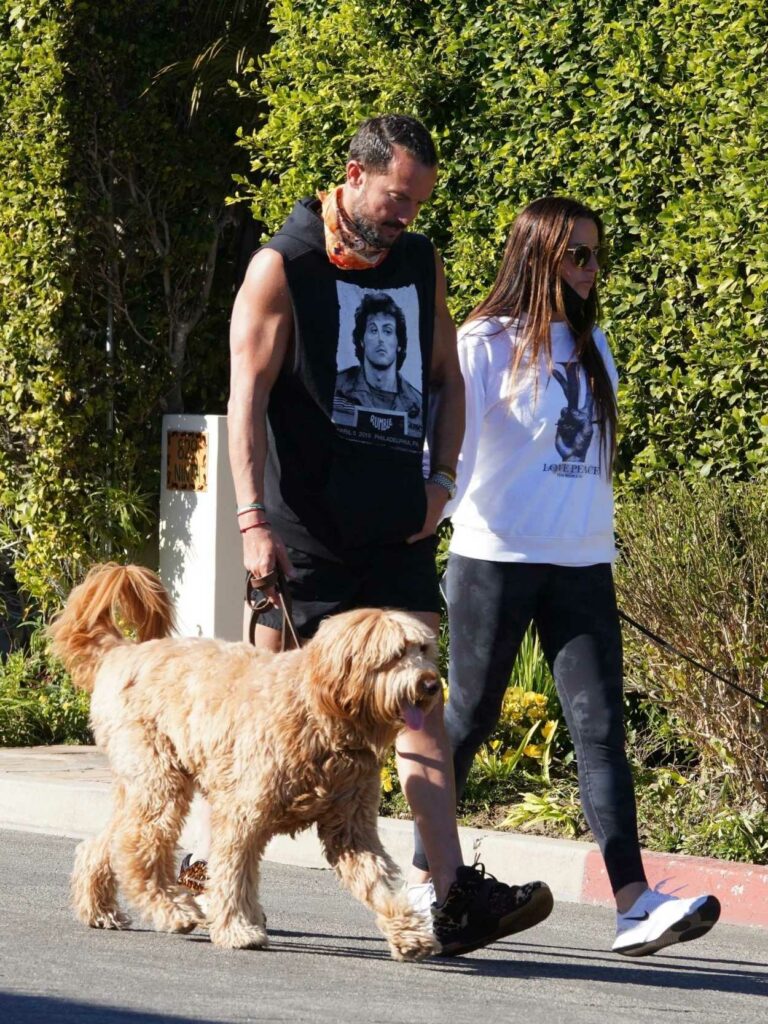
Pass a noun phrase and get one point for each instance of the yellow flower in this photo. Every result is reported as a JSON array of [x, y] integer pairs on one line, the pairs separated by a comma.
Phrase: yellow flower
[[548, 730], [386, 779], [535, 706], [534, 750], [513, 708]]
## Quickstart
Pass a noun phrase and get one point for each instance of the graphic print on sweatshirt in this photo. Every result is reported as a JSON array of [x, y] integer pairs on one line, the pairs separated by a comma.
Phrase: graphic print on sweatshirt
[[575, 427], [377, 397]]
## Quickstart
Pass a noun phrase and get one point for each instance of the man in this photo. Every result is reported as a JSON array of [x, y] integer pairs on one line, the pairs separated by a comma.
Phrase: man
[[343, 508], [376, 385]]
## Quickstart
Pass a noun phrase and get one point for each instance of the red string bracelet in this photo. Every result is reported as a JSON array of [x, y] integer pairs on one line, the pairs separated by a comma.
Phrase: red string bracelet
[[253, 526]]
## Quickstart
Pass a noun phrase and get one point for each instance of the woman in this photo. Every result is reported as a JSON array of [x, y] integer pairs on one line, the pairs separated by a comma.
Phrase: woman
[[533, 538]]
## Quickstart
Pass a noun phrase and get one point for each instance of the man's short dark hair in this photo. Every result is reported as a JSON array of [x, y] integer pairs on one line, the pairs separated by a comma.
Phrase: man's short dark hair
[[373, 141], [379, 302]]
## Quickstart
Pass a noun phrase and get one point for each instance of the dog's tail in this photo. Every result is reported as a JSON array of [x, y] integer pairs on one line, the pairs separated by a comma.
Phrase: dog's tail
[[87, 627]]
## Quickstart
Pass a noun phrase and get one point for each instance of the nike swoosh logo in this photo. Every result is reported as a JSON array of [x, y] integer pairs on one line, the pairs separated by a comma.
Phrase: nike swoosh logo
[[643, 917]]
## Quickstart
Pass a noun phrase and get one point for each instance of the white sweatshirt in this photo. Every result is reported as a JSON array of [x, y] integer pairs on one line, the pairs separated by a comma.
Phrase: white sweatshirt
[[532, 486]]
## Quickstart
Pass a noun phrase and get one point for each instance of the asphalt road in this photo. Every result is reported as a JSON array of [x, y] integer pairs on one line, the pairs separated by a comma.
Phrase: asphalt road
[[327, 962]]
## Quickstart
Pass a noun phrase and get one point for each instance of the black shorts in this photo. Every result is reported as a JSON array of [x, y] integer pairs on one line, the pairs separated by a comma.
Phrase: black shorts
[[400, 576]]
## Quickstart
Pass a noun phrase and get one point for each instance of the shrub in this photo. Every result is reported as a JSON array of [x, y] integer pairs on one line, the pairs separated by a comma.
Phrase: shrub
[[694, 569], [38, 704], [698, 814]]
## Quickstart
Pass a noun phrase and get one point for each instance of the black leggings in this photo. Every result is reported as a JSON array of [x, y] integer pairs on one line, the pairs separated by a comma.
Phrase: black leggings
[[490, 606]]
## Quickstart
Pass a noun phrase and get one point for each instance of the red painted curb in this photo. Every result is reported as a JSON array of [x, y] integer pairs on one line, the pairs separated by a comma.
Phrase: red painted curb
[[741, 888]]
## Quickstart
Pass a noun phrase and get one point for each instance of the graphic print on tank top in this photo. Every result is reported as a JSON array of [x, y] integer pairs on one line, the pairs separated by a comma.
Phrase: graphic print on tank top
[[377, 396], [575, 427]]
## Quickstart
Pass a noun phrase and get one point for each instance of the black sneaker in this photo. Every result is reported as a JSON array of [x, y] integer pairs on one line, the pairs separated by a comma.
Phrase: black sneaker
[[479, 909]]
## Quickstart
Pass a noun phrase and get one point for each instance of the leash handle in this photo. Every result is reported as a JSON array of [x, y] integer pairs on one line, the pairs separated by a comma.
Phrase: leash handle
[[256, 597]]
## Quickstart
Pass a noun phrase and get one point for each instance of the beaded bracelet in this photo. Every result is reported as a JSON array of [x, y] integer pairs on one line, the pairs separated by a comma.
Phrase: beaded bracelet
[[254, 526], [253, 506]]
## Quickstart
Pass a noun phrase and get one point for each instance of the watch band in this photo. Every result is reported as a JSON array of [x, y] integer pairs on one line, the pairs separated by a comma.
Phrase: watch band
[[443, 480]]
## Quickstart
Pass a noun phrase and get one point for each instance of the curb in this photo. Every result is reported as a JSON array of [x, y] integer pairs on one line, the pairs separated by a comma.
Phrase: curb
[[65, 791], [741, 888]]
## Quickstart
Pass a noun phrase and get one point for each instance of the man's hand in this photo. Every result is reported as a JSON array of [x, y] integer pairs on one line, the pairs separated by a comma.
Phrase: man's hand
[[437, 499], [262, 551]]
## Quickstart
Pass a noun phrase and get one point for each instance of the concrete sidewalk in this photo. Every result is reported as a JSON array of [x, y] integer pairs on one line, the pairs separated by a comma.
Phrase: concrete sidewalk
[[65, 791]]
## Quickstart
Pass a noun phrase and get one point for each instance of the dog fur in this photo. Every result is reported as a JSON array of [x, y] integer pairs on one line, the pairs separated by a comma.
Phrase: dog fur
[[275, 742]]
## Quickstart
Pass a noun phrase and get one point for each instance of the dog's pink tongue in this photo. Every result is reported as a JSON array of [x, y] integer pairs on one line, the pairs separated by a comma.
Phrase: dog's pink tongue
[[414, 717]]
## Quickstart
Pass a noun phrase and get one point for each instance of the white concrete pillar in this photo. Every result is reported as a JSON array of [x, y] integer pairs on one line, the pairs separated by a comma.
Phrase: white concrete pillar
[[201, 561]]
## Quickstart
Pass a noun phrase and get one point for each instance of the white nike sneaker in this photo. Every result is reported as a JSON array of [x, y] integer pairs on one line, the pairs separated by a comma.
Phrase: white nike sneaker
[[656, 920], [421, 898]]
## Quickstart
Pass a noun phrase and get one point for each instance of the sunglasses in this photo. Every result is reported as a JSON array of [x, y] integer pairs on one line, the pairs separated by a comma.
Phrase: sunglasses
[[582, 254]]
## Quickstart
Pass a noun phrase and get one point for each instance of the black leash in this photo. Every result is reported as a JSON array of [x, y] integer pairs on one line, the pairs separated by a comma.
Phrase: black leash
[[255, 588], [256, 597], [667, 646]]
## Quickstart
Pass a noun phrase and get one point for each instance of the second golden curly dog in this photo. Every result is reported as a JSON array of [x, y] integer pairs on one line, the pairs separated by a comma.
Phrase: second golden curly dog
[[274, 741]]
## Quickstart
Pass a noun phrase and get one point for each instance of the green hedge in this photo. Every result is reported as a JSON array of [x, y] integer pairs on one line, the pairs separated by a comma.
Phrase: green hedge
[[651, 111], [112, 215], [40, 371]]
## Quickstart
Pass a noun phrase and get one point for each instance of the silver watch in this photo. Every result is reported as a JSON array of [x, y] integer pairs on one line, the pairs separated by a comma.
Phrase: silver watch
[[443, 480]]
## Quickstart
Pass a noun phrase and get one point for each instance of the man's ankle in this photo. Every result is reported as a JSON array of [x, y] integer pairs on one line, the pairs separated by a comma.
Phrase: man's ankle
[[442, 883]]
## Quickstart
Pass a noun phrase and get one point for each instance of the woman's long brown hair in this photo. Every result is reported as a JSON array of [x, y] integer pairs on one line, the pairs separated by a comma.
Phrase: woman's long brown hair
[[528, 289]]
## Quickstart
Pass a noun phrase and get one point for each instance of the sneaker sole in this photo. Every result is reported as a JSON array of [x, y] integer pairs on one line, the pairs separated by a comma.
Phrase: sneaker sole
[[691, 927], [536, 910]]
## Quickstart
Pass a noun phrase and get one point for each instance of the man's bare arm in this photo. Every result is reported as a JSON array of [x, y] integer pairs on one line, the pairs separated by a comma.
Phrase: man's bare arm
[[447, 394], [260, 333]]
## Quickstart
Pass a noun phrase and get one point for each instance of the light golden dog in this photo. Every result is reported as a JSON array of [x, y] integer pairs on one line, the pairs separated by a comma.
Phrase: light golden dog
[[274, 742]]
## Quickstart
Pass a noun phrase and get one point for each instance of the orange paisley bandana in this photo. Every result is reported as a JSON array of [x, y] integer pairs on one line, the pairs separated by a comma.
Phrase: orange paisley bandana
[[345, 248]]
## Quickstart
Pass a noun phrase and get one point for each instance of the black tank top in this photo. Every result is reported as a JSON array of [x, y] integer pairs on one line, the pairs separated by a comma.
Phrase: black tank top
[[346, 418]]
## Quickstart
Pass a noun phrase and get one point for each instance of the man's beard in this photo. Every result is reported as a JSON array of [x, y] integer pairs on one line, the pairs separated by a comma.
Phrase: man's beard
[[370, 232]]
